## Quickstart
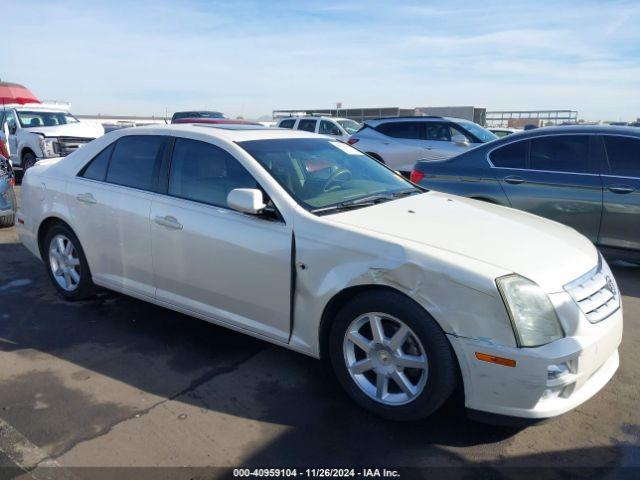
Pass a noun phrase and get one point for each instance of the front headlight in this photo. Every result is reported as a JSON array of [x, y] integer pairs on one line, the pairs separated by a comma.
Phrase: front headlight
[[49, 147], [533, 317]]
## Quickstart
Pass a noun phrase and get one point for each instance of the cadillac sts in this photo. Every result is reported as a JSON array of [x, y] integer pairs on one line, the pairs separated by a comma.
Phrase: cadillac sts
[[306, 242]]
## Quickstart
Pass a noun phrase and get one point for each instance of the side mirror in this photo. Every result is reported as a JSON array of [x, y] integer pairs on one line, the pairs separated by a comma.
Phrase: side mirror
[[460, 140], [246, 200], [12, 129]]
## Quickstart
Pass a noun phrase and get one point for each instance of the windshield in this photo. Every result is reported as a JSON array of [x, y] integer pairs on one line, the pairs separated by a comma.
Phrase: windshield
[[350, 126], [319, 173], [34, 119], [482, 133]]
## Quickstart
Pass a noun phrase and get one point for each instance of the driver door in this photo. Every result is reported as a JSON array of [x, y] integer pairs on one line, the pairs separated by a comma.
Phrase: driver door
[[212, 261]]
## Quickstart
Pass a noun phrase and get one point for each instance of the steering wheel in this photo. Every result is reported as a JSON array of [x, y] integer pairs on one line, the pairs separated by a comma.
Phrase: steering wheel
[[333, 178]]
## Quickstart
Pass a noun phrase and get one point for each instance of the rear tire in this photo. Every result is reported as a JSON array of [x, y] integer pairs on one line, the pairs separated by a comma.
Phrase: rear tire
[[418, 363], [66, 264]]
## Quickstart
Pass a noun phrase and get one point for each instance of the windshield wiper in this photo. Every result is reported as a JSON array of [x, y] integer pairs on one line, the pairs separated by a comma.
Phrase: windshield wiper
[[405, 193], [365, 201], [343, 206]]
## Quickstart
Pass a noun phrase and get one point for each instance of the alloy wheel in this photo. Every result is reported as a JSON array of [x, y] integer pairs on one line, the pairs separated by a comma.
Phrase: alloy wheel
[[64, 263], [385, 358]]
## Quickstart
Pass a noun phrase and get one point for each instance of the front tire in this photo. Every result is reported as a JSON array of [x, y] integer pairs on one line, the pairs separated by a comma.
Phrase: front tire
[[66, 264], [28, 161], [391, 356]]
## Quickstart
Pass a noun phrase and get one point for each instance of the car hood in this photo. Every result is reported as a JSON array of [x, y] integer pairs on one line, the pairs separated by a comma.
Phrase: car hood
[[546, 252], [80, 129]]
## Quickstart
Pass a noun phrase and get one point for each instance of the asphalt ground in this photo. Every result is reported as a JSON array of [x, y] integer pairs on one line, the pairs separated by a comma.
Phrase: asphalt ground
[[114, 381]]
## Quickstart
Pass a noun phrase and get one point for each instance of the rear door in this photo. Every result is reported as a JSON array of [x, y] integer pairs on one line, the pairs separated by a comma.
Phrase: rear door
[[404, 144], [621, 194], [554, 176], [110, 201]]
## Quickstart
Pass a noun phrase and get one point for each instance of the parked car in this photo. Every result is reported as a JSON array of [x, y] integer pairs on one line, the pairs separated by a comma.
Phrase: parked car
[[586, 177], [503, 131], [339, 128], [401, 141], [7, 195], [304, 241], [43, 130], [197, 114]]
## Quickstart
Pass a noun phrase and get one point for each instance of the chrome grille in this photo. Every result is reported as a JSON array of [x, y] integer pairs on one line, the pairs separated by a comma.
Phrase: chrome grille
[[67, 145], [595, 293]]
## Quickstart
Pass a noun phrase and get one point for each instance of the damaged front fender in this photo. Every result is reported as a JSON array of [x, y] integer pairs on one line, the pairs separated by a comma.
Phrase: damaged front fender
[[463, 301]]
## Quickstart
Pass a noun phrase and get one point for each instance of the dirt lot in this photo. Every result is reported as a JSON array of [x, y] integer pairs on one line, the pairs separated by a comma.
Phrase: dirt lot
[[117, 382]]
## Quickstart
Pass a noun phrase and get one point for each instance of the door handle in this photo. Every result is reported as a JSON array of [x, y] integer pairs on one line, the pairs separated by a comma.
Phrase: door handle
[[620, 188], [86, 198], [428, 148], [386, 143], [169, 222], [514, 179]]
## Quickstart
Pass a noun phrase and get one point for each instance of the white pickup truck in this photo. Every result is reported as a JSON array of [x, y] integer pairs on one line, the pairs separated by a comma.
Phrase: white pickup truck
[[34, 131]]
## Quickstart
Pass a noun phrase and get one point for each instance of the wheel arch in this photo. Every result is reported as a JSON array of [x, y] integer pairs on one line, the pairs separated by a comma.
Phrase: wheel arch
[[44, 226], [485, 199], [26, 149], [340, 299]]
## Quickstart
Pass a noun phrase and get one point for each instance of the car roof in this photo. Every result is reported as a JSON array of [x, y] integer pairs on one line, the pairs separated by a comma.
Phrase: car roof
[[312, 117], [568, 129], [427, 118], [229, 132]]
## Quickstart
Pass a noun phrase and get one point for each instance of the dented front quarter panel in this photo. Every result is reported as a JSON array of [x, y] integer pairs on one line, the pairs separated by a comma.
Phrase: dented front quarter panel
[[459, 292]]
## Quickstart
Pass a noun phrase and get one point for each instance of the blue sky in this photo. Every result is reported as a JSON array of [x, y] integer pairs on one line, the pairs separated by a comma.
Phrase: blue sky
[[250, 57]]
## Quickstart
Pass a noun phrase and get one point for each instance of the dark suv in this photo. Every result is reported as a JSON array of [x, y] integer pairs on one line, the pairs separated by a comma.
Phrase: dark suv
[[587, 177]]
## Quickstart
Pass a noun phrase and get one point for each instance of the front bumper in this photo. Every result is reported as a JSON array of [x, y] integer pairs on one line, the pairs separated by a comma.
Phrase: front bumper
[[526, 390]]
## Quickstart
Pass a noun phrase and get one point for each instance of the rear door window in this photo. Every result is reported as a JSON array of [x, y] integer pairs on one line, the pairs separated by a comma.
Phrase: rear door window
[[560, 153], [307, 125], [513, 155], [624, 156], [287, 123], [406, 130], [135, 161]]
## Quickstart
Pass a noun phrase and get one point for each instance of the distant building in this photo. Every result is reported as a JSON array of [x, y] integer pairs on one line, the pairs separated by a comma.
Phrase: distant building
[[357, 114], [361, 114], [475, 114], [519, 118]]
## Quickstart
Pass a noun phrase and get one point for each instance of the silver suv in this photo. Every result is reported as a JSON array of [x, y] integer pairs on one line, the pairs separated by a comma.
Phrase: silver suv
[[400, 142], [339, 128]]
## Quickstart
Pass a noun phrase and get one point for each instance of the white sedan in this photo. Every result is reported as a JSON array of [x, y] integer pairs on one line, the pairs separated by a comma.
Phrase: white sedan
[[305, 242]]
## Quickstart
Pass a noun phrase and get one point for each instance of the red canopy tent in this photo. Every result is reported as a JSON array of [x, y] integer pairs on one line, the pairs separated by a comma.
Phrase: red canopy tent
[[15, 93]]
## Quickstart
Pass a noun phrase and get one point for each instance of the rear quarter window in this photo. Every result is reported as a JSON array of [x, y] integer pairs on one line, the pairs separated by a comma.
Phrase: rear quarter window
[[287, 123], [96, 169], [513, 155]]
